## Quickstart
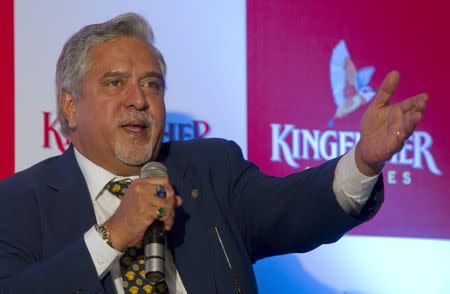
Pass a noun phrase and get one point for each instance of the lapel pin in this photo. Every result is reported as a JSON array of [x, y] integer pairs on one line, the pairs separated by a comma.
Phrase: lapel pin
[[194, 194]]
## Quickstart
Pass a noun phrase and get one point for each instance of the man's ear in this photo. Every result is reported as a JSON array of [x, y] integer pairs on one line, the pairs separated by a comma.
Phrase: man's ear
[[68, 107]]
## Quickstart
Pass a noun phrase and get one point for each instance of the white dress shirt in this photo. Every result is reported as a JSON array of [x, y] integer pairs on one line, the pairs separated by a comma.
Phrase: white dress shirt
[[351, 187]]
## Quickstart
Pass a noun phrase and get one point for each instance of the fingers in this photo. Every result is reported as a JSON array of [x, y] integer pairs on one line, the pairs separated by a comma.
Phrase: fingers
[[144, 192], [421, 102], [416, 103], [387, 88], [412, 112], [149, 187], [138, 209], [178, 201], [410, 121], [167, 219]]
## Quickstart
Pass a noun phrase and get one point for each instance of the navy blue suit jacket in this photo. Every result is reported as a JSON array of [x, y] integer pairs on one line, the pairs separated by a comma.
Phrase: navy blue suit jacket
[[46, 209]]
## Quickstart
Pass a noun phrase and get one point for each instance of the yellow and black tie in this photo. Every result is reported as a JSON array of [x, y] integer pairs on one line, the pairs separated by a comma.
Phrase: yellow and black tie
[[132, 263], [119, 187]]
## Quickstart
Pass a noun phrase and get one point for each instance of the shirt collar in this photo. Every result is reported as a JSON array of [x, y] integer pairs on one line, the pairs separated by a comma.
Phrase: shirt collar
[[95, 176]]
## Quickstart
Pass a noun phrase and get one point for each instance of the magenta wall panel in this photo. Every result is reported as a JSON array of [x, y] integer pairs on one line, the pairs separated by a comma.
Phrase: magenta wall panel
[[300, 55]]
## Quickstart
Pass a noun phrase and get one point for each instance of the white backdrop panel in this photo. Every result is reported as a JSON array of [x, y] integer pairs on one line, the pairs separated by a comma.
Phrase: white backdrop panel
[[203, 43]]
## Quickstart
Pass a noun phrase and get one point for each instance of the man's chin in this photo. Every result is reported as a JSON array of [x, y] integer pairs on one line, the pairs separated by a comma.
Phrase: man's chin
[[134, 157], [134, 162]]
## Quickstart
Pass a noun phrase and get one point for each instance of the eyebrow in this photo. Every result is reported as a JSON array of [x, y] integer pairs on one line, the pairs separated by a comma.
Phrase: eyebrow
[[120, 74], [115, 74], [153, 74]]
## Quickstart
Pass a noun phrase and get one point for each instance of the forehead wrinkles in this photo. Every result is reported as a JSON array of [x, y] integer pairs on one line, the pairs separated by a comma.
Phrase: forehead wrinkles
[[125, 57]]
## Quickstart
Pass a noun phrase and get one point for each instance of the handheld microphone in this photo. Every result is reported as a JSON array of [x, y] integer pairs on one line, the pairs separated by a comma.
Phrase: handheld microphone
[[155, 236]]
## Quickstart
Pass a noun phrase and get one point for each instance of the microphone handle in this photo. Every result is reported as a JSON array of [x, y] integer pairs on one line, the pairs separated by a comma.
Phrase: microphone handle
[[155, 251]]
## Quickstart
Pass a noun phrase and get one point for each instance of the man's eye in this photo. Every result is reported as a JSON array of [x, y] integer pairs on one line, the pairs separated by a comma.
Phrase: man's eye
[[153, 84], [115, 83]]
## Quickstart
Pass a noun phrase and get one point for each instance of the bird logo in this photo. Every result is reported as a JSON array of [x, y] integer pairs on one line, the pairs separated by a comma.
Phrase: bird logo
[[350, 87]]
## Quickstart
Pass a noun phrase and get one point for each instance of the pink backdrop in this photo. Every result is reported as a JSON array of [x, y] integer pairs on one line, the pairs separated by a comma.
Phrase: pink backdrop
[[7, 88], [290, 44]]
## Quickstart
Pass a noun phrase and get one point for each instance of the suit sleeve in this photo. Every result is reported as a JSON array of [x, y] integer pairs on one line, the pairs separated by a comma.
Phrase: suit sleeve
[[24, 267], [296, 213]]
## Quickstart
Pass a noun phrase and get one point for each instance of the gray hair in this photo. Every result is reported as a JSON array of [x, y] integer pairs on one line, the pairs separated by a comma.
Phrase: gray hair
[[74, 63]]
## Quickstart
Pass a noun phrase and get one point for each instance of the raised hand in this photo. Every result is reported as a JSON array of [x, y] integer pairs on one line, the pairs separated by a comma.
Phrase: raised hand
[[385, 126]]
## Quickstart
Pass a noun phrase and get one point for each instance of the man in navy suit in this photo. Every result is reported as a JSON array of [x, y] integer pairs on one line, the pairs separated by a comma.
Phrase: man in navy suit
[[63, 231]]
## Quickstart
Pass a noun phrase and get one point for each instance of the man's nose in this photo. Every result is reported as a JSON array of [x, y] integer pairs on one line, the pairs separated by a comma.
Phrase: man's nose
[[135, 97]]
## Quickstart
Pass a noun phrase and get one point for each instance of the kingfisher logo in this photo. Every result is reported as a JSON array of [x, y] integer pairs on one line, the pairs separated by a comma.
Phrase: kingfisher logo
[[351, 90], [291, 144], [350, 87]]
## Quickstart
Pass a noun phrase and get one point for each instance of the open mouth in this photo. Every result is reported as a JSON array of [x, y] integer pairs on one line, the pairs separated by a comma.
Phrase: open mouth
[[135, 126]]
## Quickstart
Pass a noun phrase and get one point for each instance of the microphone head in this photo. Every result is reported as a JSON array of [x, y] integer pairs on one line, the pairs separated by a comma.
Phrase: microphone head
[[153, 169]]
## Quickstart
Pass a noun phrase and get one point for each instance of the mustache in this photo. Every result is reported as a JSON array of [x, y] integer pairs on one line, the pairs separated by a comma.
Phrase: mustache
[[135, 118]]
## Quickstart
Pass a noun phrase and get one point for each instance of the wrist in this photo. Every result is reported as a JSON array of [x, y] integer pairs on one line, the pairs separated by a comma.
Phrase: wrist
[[114, 236], [105, 233], [364, 167]]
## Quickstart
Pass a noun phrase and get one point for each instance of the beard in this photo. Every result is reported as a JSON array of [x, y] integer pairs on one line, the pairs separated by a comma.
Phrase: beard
[[134, 154], [137, 152]]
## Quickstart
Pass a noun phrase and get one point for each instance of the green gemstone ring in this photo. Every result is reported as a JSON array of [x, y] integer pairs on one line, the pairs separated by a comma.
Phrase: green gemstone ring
[[161, 212]]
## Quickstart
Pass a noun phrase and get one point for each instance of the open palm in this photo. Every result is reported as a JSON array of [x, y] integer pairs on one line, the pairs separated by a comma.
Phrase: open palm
[[386, 126]]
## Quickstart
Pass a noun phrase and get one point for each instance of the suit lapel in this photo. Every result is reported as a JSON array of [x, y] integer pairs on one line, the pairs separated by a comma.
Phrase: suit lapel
[[68, 207], [67, 200]]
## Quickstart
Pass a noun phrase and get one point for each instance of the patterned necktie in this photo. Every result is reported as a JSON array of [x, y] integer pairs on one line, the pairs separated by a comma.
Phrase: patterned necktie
[[132, 263]]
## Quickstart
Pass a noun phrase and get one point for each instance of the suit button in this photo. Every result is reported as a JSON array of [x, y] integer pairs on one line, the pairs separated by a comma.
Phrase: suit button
[[79, 291]]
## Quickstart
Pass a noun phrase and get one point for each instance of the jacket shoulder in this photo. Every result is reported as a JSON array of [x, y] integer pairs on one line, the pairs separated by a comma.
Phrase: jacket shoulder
[[26, 179], [204, 149]]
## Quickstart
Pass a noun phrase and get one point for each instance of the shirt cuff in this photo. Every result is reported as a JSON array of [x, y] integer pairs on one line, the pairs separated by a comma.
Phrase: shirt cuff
[[352, 188], [103, 255]]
